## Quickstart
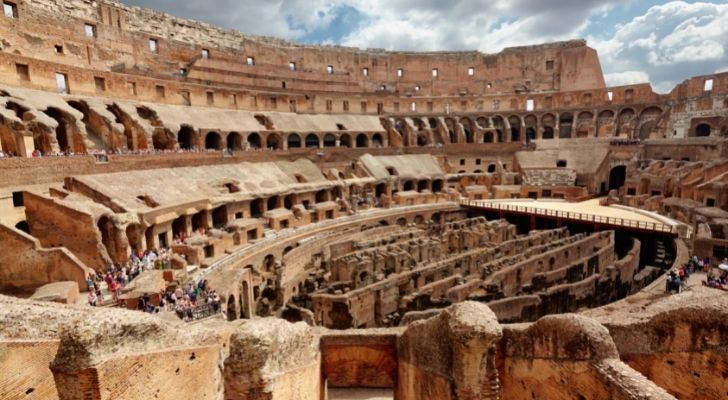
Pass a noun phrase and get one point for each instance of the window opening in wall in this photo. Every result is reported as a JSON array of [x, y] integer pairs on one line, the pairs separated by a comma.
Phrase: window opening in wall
[[363, 106], [365, 71], [383, 88], [250, 61], [153, 45], [417, 88], [530, 105], [100, 84], [10, 10], [435, 72], [132, 88], [471, 71], [183, 71], [345, 105], [23, 72], [58, 49], [477, 161], [549, 65], [159, 90], [561, 163], [489, 85], [400, 72], [610, 95], [496, 104], [210, 98], [292, 66], [380, 108], [329, 105], [413, 107], [629, 94], [710, 202], [462, 162], [396, 106], [89, 30], [708, 86], [18, 199], [205, 53], [186, 99], [62, 83], [283, 84], [330, 69], [292, 105]]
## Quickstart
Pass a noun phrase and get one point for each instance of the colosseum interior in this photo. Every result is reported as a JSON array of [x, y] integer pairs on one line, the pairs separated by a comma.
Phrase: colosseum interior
[[354, 224]]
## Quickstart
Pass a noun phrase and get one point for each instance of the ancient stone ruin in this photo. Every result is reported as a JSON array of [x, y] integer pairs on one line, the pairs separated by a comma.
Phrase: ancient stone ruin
[[191, 212]]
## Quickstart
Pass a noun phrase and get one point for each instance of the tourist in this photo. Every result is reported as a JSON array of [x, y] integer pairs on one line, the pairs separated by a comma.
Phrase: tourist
[[92, 299]]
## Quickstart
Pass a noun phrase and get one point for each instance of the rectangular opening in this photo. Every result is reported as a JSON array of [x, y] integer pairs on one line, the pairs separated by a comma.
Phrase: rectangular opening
[[209, 251], [631, 191], [610, 95], [365, 71], [251, 235], [292, 105], [131, 86], [100, 84], [380, 108], [89, 30], [58, 49], [471, 71], [400, 72], [363, 106], [18, 199], [205, 53], [530, 105], [162, 240], [234, 99], [159, 91], [708, 86], [549, 65], [210, 98], [329, 105], [435, 72], [413, 106], [396, 106], [10, 10], [23, 72], [330, 69], [250, 61], [429, 106], [292, 66], [346, 105], [153, 45], [710, 202], [238, 215], [62, 83]]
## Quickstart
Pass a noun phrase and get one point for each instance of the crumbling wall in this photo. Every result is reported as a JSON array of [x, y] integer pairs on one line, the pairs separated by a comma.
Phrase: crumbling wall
[[25, 265]]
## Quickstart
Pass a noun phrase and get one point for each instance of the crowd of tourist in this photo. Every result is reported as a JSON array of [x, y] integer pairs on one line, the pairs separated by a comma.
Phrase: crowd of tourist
[[717, 276], [193, 302], [117, 276]]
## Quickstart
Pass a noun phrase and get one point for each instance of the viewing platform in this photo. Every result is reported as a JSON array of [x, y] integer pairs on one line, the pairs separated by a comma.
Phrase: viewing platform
[[589, 211]]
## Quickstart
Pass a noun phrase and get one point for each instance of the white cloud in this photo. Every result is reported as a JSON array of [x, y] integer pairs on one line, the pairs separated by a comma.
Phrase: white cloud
[[626, 78], [670, 43]]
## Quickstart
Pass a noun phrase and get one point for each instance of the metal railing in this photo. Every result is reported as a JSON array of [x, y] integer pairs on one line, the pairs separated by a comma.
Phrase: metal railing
[[574, 216]]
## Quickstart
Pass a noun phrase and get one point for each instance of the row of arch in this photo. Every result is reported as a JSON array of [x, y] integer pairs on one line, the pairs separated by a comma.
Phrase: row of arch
[[188, 138], [423, 131]]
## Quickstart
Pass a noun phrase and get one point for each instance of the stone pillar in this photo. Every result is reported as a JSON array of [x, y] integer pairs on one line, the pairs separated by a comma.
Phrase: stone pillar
[[459, 362]]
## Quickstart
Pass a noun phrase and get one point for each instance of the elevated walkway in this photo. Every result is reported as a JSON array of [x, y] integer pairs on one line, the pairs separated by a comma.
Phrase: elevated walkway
[[591, 212]]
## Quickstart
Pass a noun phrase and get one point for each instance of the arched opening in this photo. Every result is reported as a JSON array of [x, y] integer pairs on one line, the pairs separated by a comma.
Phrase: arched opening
[[254, 140], [329, 140], [422, 185], [134, 234], [419, 220], [64, 135], [362, 140], [199, 221], [491, 168], [234, 141], [289, 201], [185, 137], [617, 177], [515, 123], [377, 140], [548, 132], [256, 208], [437, 185], [408, 186], [219, 217], [702, 130], [232, 313], [381, 189], [294, 141], [530, 135], [345, 141], [402, 222], [312, 141], [269, 263], [322, 196], [272, 203], [273, 142], [213, 141], [106, 227]]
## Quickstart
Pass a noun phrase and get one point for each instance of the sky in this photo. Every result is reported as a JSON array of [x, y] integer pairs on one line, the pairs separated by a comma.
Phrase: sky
[[661, 42]]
